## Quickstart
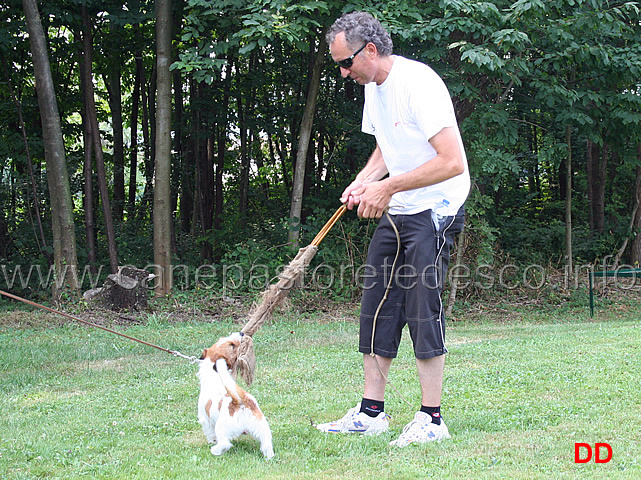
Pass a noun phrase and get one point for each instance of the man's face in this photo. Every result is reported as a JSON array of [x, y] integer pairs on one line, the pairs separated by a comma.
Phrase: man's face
[[360, 69]]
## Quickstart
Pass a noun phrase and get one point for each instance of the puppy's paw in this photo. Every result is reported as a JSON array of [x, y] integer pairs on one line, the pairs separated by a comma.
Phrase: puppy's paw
[[268, 452], [220, 448]]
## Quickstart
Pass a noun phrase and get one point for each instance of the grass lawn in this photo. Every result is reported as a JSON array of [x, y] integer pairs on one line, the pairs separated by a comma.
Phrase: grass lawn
[[77, 402]]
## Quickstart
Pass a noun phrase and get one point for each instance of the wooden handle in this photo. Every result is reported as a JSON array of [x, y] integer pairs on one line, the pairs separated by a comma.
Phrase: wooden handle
[[328, 226]]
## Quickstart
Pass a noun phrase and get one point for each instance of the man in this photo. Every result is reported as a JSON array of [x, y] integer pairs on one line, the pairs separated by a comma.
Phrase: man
[[417, 178]]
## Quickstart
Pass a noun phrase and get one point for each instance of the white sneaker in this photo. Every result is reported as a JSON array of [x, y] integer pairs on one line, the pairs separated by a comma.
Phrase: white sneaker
[[356, 422], [421, 430]]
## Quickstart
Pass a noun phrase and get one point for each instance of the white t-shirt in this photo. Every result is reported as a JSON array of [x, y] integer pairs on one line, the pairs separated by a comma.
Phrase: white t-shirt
[[403, 113]]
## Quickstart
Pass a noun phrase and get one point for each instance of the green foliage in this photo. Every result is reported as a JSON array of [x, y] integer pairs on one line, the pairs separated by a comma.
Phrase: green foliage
[[292, 22], [520, 72], [198, 61]]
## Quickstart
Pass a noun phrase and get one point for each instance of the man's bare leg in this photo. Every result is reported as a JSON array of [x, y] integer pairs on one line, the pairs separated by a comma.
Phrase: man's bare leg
[[430, 374], [375, 381]]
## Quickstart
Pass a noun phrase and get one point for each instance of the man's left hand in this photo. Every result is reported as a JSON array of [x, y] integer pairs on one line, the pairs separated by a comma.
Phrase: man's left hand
[[373, 199]]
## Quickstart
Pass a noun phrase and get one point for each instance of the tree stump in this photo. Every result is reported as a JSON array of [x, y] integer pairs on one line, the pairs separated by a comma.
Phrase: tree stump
[[125, 290]]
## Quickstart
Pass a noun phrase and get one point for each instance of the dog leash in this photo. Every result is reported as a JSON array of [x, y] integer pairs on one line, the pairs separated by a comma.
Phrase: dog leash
[[380, 305], [95, 325]]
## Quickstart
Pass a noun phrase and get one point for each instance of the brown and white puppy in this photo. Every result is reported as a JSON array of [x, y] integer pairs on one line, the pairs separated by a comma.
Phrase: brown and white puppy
[[226, 411]]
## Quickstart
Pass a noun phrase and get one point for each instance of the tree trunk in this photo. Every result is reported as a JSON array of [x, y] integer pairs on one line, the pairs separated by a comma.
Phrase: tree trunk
[[600, 191], [114, 90], [221, 142], [597, 163], [133, 161], [306, 126], [244, 159], [589, 167], [179, 133], [187, 177], [92, 117], [88, 200], [635, 250], [322, 161], [90, 222], [205, 175], [162, 187], [64, 236], [119, 150], [568, 204], [148, 169], [281, 161]]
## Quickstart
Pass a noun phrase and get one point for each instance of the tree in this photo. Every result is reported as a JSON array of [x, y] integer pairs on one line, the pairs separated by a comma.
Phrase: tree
[[257, 149], [635, 231], [113, 82], [36, 200], [64, 238], [91, 116], [162, 190], [304, 138]]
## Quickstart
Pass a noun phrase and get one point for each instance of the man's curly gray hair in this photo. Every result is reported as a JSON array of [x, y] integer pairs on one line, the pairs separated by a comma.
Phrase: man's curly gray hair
[[360, 28]]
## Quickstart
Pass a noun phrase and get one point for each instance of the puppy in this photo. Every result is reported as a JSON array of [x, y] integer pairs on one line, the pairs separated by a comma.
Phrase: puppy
[[226, 411]]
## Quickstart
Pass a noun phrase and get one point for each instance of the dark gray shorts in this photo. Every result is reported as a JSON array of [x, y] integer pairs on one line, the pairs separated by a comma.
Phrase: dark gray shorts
[[414, 298]]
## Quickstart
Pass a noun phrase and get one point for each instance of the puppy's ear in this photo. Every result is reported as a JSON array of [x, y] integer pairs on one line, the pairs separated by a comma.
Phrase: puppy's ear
[[204, 355], [232, 354]]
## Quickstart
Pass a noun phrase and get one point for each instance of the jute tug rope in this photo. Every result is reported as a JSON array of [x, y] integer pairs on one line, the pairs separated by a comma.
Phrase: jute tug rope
[[275, 295]]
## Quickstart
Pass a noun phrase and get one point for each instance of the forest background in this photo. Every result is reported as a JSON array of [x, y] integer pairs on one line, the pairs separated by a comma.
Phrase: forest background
[[206, 140]]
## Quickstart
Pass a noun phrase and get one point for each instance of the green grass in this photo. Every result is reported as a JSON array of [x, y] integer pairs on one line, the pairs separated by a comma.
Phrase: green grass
[[80, 403]]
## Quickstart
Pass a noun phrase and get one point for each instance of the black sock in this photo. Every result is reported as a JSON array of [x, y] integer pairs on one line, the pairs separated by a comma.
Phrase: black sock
[[435, 412], [372, 407]]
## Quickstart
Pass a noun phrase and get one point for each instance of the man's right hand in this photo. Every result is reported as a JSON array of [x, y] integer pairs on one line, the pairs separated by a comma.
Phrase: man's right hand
[[351, 195]]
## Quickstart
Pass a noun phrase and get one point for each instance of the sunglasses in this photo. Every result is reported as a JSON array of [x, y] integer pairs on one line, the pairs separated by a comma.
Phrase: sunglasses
[[349, 61]]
